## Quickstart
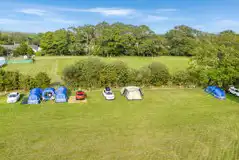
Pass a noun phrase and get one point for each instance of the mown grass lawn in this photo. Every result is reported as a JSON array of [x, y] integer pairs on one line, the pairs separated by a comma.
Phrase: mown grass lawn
[[168, 124], [54, 65]]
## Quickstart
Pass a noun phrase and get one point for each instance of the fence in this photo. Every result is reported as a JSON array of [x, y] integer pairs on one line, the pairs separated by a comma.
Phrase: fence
[[19, 61]]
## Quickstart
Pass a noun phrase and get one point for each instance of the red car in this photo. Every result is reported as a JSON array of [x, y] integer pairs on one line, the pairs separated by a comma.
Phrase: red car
[[80, 95]]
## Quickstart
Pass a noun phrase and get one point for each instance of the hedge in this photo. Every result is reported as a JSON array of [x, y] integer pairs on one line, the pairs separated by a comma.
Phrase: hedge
[[13, 80], [93, 73]]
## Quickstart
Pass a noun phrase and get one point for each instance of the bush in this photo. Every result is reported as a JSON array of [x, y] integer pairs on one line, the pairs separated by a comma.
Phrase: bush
[[159, 74], [11, 80], [92, 72], [122, 72], [14, 80], [85, 73], [143, 76], [108, 75], [2, 77], [182, 78], [39, 53], [42, 80], [27, 82]]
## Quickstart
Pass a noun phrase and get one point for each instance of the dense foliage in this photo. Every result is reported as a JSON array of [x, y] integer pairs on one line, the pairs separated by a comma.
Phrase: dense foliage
[[90, 73], [215, 57], [9, 38], [119, 39], [23, 49], [14, 80]]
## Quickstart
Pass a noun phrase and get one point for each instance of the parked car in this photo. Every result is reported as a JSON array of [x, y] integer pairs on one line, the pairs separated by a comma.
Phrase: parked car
[[13, 97], [80, 95], [108, 94], [234, 90]]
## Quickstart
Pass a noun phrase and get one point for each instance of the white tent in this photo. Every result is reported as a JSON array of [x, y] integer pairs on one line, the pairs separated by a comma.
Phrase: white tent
[[132, 93]]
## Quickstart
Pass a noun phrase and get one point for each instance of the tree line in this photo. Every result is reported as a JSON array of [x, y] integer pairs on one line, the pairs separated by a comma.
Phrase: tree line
[[120, 39], [13, 80], [203, 71]]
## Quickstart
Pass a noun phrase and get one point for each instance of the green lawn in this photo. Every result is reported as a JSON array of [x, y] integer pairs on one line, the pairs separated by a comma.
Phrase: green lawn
[[54, 65], [170, 124]]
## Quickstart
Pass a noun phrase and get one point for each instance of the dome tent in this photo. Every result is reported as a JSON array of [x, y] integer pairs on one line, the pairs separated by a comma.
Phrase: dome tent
[[35, 96], [132, 93], [61, 95], [216, 92], [48, 94]]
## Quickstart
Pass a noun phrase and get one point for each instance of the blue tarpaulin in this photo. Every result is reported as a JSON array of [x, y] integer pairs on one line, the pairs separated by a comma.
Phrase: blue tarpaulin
[[216, 92], [61, 95], [48, 94], [35, 96]]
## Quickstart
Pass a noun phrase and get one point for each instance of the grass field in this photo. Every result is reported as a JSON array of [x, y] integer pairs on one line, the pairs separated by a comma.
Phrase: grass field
[[170, 124], [54, 65]]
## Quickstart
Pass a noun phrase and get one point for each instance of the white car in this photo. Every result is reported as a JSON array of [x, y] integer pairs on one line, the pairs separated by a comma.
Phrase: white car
[[108, 94], [13, 97], [234, 91]]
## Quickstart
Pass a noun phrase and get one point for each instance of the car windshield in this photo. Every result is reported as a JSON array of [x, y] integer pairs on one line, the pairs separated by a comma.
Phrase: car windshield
[[80, 93], [12, 95], [108, 92]]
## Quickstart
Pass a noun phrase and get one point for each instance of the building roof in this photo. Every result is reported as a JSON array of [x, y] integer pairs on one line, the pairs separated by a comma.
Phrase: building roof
[[35, 47], [14, 46], [11, 47]]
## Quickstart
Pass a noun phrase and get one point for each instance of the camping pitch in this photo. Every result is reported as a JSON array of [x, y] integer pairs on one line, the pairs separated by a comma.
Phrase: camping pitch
[[35, 96], [61, 95], [216, 92], [132, 93], [48, 94]]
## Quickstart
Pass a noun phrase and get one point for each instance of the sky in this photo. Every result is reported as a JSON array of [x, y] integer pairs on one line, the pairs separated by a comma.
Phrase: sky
[[160, 15]]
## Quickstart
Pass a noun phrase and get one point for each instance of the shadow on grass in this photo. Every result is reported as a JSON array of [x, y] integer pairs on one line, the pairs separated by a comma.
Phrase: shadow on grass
[[233, 98]]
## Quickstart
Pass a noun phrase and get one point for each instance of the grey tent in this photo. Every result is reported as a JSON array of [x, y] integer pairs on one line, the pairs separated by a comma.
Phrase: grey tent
[[132, 93]]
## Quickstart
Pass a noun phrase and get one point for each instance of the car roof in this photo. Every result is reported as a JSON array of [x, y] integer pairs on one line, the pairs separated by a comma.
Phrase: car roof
[[13, 93], [80, 92]]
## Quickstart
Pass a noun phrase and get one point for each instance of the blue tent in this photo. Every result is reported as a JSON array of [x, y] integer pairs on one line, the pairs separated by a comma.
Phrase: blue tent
[[216, 92], [61, 95], [48, 94], [35, 96]]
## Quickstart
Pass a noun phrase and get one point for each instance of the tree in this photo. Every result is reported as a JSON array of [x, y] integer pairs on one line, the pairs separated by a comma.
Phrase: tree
[[182, 40], [22, 50], [56, 43], [42, 80], [215, 65], [3, 51]]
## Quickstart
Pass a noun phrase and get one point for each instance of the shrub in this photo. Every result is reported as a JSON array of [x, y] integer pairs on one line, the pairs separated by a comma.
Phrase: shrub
[[93, 73], [42, 80], [85, 73], [39, 53], [2, 84], [182, 78], [11, 80], [159, 74], [143, 76], [27, 82], [108, 75], [122, 73]]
